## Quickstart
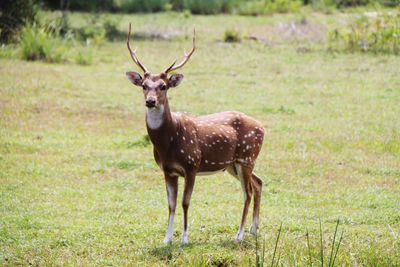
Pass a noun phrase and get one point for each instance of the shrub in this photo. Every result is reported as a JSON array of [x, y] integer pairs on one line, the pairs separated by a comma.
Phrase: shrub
[[81, 5], [111, 30], [167, 7], [187, 13], [346, 3], [95, 33], [260, 7], [326, 6], [378, 35], [37, 44], [282, 6], [204, 6], [251, 8], [14, 14], [58, 24], [84, 57], [232, 36], [142, 6], [391, 3]]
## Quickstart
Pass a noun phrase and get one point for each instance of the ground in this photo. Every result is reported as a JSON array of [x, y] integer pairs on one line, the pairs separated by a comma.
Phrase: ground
[[79, 186]]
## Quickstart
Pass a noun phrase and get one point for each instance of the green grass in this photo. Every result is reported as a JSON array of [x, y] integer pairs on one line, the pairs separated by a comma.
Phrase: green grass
[[79, 186]]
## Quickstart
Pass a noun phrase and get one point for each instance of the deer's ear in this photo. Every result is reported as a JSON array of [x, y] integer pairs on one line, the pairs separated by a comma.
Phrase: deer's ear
[[135, 78], [175, 80]]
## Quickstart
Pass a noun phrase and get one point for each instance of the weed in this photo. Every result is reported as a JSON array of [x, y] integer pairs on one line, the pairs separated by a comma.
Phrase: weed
[[276, 246], [281, 110], [262, 7], [143, 142], [260, 258], [232, 36], [377, 35], [84, 57]]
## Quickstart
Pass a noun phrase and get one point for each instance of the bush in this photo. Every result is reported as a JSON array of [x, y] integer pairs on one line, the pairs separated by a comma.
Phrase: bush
[[81, 5], [282, 6], [232, 36], [142, 6], [323, 4], [326, 6], [204, 6], [258, 7], [37, 44], [346, 3], [251, 8], [111, 30], [14, 14], [84, 57], [377, 35], [57, 24], [94, 33]]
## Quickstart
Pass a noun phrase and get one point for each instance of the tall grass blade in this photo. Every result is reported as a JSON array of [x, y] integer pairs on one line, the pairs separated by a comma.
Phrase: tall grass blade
[[257, 256], [263, 252], [322, 246], [276, 245], [337, 248], [279, 257], [309, 248], [333, 244]]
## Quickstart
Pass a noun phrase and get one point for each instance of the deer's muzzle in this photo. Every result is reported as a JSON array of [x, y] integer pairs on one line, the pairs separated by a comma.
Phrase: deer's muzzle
[[151, 102]]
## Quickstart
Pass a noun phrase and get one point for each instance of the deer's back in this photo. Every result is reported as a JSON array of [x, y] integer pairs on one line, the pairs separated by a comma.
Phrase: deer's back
[[221, 139]]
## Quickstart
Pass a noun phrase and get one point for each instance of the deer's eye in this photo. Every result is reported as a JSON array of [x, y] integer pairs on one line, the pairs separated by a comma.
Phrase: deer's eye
[[163, 87]]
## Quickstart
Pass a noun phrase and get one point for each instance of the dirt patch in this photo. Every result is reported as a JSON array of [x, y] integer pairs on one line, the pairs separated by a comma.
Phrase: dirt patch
[[289, 32], [156, 34]]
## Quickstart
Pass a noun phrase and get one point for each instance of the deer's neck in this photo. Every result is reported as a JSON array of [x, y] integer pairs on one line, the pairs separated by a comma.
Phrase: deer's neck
[[160, 126]]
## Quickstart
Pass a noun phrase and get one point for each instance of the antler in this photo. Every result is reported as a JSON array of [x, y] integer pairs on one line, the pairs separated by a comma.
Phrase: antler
[[133, 53], [185, 59]]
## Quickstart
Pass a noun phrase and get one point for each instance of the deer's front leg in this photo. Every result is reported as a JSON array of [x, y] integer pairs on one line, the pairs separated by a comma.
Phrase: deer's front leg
[[171, 183], [187, 193]]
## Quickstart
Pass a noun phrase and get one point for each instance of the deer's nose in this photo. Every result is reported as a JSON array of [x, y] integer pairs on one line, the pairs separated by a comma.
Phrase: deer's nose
[[150, 102]]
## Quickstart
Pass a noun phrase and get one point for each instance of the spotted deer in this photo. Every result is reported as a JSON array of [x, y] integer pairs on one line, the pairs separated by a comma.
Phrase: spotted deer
[[188, 146]]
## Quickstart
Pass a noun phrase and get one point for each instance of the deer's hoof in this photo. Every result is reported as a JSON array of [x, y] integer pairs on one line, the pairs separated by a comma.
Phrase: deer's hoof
[[239, 236], [168, 240], [253, 230], [185, 239]]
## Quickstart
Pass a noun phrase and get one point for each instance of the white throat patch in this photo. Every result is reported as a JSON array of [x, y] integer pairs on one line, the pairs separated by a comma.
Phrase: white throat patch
[[154, 117]]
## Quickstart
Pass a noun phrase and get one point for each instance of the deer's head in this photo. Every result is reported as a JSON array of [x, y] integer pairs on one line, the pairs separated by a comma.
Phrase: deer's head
[[155, 86]]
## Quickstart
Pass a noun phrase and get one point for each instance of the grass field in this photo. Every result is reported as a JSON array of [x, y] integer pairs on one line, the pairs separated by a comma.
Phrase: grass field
[[79, 186]]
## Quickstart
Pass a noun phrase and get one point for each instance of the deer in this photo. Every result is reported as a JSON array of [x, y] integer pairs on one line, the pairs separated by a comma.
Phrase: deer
[[189, 146]]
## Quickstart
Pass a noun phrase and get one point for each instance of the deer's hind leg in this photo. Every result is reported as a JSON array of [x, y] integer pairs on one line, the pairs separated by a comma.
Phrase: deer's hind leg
[[256, 183], [244, 175]]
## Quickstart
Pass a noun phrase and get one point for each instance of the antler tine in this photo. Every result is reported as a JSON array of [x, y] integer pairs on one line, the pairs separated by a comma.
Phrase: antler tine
[[133, 52], [186, 58], [170, 67]]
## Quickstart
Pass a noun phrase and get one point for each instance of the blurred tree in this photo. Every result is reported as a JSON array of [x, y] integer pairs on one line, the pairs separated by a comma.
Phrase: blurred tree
[[14, 14], [82, 5]]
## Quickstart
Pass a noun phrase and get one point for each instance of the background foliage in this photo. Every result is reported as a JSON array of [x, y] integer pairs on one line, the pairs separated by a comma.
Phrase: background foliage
[[78, 183], [203, 6], [13, 15]]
